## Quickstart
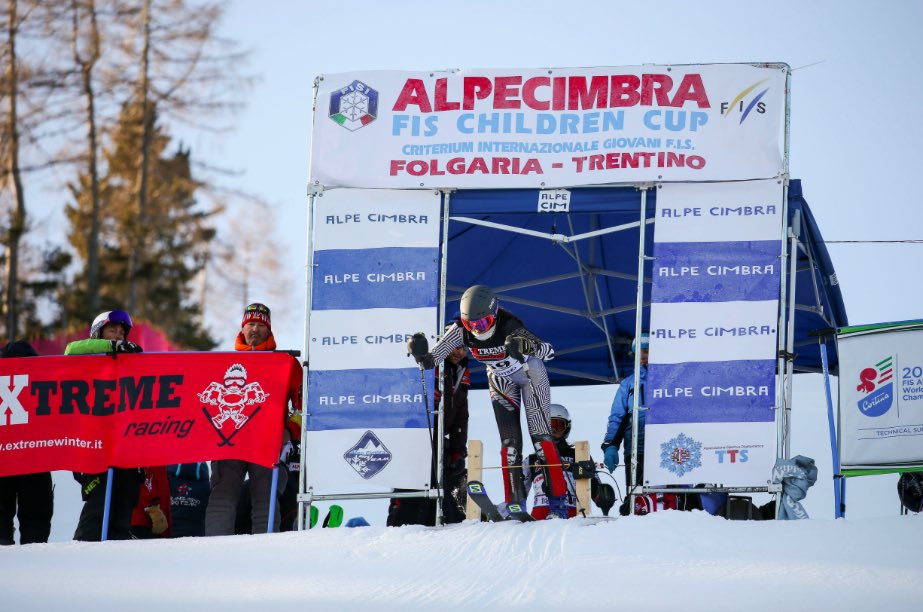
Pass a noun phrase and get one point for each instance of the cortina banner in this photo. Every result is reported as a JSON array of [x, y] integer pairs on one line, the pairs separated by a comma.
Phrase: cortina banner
[[87, 413], [881, 396]]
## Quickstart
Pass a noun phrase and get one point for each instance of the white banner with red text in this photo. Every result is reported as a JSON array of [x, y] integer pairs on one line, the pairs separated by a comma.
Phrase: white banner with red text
[[546, 128]]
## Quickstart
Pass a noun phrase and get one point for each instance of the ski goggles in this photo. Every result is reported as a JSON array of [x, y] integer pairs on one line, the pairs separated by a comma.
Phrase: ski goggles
[[557, 425], [481, 325]]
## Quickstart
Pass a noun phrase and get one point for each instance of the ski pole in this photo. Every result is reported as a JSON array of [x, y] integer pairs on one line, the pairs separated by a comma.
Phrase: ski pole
[[418, 347], [429, 426]]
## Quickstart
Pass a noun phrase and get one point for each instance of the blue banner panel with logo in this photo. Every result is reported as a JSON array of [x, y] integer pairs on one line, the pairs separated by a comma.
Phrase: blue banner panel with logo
[[393, 399], [713, 392], [696, 272], [713, 334], [398, 277], [374, 284]]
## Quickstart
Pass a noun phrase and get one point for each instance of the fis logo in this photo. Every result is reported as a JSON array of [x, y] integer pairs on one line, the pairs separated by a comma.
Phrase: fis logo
[[354, 106], [744, 105], [369, 456], [11, 411], [877, 387], [681, 454], [233, 399]]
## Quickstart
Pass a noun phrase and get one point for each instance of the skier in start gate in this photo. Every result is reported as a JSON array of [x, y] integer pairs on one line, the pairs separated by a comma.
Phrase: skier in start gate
[[516, 375]]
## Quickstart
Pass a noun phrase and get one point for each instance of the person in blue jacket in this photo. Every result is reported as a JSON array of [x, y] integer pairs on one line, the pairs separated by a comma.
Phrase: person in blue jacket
[[618, 431]]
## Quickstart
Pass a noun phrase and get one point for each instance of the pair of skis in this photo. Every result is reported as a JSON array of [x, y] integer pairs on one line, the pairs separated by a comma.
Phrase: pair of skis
[[334, 516], [494, 512]]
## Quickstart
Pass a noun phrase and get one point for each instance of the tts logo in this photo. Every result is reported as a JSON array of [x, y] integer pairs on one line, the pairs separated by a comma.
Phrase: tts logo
[[11, 411], [744, 104], [733, 455]]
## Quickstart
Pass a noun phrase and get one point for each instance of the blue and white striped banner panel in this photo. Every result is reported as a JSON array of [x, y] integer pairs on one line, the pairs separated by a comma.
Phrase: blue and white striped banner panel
[[374, 283], [713, 328]]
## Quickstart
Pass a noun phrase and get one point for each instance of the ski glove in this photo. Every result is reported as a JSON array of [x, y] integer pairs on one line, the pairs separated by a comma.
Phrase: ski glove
[[611, 458], [518, 347], [158, 519], [287, 450], [124, 346], [418, 347], [456, 464]]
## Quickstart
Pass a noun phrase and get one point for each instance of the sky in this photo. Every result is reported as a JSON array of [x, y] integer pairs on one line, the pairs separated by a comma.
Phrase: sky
[[854, 139], [855, 143]]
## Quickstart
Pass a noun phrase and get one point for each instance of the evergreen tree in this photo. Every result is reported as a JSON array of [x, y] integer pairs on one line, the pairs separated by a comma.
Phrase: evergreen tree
[[169, 243]]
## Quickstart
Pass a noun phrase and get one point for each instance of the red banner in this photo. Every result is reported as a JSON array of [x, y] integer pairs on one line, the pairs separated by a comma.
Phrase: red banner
[[87, 413]]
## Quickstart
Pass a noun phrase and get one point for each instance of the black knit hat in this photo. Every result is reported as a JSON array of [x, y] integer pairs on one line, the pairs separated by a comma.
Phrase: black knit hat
[[19, 348]]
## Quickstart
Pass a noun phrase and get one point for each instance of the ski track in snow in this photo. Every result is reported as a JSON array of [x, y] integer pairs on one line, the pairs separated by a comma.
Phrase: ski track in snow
[[655, 561]]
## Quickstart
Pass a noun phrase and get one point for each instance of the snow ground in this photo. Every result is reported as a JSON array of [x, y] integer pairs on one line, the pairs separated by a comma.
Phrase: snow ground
[[869, 561], [661, 561]]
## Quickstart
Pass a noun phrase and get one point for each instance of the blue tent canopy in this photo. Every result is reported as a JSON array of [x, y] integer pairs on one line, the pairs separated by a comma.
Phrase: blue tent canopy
[[577, 294]]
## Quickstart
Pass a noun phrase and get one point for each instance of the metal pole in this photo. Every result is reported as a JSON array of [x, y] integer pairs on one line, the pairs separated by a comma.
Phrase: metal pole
[[314, 189], [107, 505], [442, 318], [780, 361], [273, 491], [794, 231], [834, 447], [639, 302], [303, 507]]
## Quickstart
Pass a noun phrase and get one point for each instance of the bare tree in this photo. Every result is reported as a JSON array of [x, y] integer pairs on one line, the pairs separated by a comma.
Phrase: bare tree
[[184, 69], [85, 43], [17, 223], [93, 65], [246, 265]]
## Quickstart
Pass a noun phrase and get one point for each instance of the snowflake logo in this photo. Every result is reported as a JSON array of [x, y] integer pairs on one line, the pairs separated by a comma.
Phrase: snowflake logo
[[354, 106], [681, 454]]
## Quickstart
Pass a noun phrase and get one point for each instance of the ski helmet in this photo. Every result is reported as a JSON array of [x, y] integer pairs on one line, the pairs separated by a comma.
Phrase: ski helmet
[[559, 412], [110, 316], [478, 308], [645, 342]]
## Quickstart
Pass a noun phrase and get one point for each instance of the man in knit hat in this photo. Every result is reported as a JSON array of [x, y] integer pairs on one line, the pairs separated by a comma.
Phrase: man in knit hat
[[255, 330], [227, 477]]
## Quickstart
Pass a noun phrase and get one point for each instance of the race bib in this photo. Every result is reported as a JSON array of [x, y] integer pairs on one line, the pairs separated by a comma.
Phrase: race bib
[[504, 367]]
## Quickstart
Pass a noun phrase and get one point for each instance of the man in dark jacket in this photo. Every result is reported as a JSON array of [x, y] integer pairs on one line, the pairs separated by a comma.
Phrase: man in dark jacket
[[28, 497], [418, 511]]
